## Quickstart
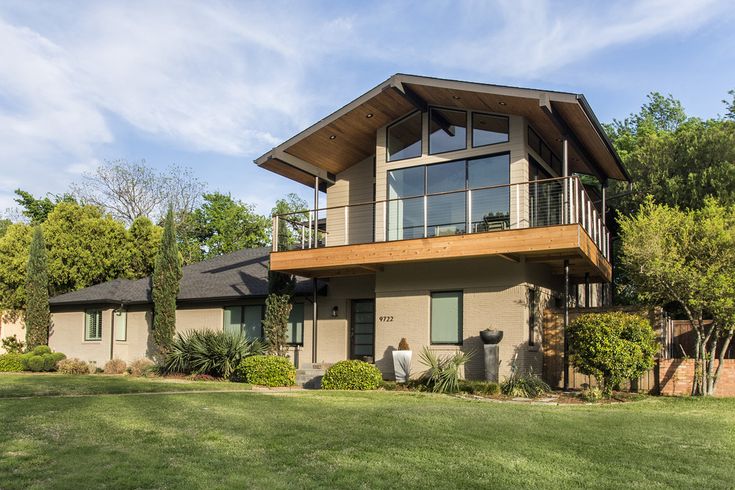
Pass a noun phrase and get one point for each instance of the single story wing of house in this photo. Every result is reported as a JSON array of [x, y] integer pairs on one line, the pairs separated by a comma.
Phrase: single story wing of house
[[114, 319]]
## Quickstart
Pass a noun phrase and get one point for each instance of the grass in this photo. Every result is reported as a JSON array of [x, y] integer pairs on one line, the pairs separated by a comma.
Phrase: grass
[[357, 440], [24, 385]]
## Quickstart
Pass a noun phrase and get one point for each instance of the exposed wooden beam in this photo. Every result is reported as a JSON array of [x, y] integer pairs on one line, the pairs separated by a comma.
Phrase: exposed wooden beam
[[510, 258], [419, 103], [304, 165], [558, 121]]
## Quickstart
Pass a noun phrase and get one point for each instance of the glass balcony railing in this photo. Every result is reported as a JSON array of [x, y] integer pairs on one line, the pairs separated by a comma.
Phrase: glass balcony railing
[[534, 204]]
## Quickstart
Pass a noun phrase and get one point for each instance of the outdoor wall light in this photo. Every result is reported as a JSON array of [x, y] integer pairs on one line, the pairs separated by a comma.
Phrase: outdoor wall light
[[335, 311]]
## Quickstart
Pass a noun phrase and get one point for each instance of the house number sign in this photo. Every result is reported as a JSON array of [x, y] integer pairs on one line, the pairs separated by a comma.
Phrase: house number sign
[[385, 318]]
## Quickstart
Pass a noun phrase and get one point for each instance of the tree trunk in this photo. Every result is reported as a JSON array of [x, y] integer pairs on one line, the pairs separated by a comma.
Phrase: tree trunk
[[721, 358]]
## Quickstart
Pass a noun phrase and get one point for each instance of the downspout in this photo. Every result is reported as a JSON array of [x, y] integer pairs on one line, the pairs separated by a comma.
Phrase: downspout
[[112, 334]]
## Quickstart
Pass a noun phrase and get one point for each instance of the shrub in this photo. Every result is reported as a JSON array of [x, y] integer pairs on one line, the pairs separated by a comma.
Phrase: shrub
[[266, 371], [40, 350], [141, 367], [12, 345], [482, 388], [592, 394], [209, 352], [352, 375], [51, 361], [115, 366], [525, 385], [11, 362], [443, 374], [73, 366], [612, 347], [35, 363]]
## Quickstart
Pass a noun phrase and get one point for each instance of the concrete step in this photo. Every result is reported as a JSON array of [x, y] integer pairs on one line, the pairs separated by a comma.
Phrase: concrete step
[[309, 378]]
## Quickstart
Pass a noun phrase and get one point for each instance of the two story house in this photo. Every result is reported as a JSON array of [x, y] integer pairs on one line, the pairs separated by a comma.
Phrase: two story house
[[442, 208]]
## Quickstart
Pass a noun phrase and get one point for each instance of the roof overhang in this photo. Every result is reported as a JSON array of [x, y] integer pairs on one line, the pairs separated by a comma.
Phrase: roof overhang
[[347, 136]]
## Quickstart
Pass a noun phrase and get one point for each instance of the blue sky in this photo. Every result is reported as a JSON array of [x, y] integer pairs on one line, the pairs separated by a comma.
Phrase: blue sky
[[212, 85]]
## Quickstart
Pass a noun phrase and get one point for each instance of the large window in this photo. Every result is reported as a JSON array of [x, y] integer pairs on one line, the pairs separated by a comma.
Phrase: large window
[[542, 149], [447, 130], [438, 190], [488, 129], [404, 138], [245, 319], [93, 325], [446, 212], [406, 188], [545, 196], [446, 317]]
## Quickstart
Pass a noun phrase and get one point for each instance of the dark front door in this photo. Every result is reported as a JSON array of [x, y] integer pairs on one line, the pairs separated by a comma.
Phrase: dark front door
[[362, 330]]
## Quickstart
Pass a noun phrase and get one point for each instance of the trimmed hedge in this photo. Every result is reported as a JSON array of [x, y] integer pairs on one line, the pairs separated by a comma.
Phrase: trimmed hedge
[[11, 363], [266, 371], [41, 359], [352, 375]]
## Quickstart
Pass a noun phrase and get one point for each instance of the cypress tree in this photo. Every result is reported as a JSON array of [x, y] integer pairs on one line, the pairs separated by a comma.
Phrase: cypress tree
[[37, 312], [166, 277]]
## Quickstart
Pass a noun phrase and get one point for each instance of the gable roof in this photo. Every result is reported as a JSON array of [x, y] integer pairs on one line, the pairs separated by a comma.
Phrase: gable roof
[[347, 136], [237, 275]]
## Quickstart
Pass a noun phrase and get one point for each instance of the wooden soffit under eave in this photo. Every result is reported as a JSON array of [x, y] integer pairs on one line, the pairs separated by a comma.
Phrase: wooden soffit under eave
[[354, 133]]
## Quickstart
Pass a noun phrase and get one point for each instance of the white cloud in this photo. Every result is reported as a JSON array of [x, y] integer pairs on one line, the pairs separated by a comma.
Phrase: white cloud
[[234, 79]]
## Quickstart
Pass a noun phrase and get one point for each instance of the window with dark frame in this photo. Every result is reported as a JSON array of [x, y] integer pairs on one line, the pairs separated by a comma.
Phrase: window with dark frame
[[446, 318], [404, 138], [447, 130], [488, 129]]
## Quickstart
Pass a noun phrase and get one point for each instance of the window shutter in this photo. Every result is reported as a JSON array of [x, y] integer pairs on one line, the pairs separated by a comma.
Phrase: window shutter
[[121, 325]]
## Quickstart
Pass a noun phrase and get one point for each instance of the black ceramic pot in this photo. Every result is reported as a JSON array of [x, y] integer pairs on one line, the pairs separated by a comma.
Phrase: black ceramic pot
[[491, 336]]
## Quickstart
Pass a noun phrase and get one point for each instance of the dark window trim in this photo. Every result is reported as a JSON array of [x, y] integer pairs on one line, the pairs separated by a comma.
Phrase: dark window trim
[[466, 128], [388, 159], [461, 317], [472, 129], [242, 314]]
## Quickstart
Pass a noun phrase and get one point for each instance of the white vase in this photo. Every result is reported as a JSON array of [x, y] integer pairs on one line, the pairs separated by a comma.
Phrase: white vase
[[402, 365]]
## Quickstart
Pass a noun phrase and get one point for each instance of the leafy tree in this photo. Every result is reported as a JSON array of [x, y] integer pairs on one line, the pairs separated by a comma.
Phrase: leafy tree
[[85, 247], [146, 238], [293, 209], [223, 225], [129, 190], [166, 277], [37, 313], [612, 347], [38, 209], [4, 225], [730, 106], [679, 160], [275, 325], [686, 258]]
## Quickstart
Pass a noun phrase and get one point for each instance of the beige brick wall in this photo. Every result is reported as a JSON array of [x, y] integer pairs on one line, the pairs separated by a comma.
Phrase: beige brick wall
[[495, 295], [11, 324]]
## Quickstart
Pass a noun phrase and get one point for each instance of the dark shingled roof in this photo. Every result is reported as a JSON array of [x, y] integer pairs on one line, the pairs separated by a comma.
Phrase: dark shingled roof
[[233, 276]]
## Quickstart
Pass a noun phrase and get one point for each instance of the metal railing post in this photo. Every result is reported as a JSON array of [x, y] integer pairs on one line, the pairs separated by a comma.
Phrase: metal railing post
[[426, 216], [347, 226], [468, 195], [275, 233]]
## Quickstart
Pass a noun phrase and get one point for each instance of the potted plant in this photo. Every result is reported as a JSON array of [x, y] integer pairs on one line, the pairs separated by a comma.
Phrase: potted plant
[[402, 361], [491, 336]]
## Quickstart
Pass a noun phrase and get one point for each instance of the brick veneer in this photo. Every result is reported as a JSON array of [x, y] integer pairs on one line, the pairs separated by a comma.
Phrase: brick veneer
[[675, 377]]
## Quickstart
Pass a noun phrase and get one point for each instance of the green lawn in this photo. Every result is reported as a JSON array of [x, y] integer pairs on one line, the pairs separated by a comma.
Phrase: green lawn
[[355, 440]]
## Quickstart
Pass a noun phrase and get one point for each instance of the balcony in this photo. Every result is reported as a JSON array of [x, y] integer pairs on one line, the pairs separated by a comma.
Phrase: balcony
[[546, 221]]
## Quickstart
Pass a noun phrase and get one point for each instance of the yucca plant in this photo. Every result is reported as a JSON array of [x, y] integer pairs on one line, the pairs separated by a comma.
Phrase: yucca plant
[[443, 373], [525, 385], [209, 352]]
